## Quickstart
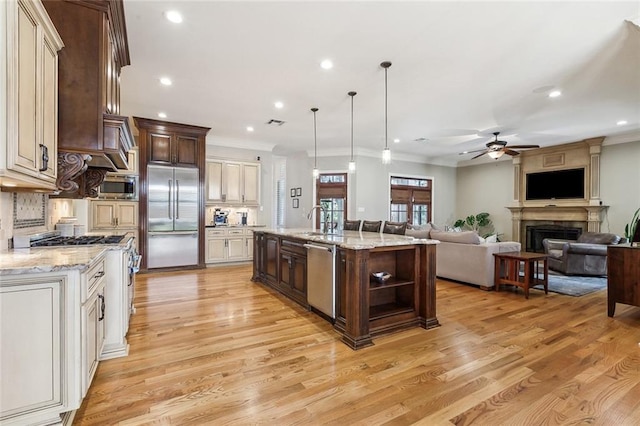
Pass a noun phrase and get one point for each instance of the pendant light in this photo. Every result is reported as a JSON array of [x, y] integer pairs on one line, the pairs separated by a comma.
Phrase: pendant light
[[316, 172], [386, 152], [352, 163]]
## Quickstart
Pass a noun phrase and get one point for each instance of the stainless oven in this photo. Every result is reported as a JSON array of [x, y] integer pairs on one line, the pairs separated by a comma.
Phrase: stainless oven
[[122, 187]]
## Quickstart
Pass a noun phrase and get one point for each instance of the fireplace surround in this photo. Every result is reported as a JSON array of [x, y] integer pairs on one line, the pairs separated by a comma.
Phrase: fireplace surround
[[585, 214]]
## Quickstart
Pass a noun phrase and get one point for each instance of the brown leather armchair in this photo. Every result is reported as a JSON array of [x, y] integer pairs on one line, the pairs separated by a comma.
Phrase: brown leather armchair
[[585, 256]]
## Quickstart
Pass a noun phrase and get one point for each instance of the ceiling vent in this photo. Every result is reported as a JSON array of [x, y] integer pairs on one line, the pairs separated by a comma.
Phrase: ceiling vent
[[274, 122]]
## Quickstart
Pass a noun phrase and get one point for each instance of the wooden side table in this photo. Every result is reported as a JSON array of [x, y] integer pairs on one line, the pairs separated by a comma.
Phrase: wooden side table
[[507, 270]]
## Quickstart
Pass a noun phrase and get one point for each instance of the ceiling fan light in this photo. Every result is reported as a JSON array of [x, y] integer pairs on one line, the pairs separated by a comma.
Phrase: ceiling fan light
[[495, 154]]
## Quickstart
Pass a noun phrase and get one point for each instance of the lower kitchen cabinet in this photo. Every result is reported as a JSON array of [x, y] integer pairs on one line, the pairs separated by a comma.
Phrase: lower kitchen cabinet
[[281, 263], [53, 330], [293, 270], [228, 245], [40, 329]]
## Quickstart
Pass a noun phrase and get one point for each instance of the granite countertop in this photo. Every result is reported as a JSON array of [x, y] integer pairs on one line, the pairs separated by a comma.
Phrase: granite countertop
[[354, 240], [234, 226], [52, 259]]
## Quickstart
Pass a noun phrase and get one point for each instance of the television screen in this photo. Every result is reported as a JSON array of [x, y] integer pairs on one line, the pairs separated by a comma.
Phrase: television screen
[[557, 184]]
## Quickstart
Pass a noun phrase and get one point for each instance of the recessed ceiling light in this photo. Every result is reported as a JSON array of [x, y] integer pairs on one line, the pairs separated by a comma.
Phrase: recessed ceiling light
[[555, 94], [396, 140], [621, 122], [278, 105], [166, 81], [326, 64], [249, 129], [162, 115], [173, 16]]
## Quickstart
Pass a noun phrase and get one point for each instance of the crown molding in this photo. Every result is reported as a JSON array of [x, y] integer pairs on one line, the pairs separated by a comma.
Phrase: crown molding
[[622, 138], [240, 143]]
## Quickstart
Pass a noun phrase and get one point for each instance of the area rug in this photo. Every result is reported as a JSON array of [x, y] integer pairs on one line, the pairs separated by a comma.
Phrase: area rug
[[574, 285]]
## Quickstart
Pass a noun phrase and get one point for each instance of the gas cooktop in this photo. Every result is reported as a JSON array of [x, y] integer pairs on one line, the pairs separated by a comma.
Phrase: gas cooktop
[[52, 239], [78, 241]]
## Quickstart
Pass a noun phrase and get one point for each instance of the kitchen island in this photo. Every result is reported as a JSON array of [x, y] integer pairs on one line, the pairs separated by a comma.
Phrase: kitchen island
[[364, 307]]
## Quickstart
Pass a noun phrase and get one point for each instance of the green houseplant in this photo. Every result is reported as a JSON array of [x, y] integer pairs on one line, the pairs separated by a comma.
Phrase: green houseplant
[[476, 223], [630, 228]]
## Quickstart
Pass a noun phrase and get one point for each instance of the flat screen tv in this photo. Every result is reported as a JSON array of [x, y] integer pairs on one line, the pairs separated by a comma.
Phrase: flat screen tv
[[557, 184]]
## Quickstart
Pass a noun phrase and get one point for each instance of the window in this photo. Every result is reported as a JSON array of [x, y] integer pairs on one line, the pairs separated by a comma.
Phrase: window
[[410, 200], [331, 192]]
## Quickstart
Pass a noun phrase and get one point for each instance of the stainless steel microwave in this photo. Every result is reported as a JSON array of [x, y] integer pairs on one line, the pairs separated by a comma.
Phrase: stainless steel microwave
[[119, 188]]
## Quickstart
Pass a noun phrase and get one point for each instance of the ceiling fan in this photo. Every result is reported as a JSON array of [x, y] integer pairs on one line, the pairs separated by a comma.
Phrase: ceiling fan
[[496, 148]]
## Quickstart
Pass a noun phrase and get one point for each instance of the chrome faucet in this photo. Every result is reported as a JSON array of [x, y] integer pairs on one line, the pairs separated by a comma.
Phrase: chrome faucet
[[324, 216]]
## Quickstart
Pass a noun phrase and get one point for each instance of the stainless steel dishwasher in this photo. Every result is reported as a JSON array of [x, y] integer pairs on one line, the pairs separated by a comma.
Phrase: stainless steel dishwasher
[[321, 259]]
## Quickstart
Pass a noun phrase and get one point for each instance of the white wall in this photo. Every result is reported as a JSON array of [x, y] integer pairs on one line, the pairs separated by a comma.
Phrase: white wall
[[487, 188], [620, 184]]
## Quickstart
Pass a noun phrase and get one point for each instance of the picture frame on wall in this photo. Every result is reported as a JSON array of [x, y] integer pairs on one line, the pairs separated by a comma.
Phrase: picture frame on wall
[[293, 192], [298, 192], [296, 203]]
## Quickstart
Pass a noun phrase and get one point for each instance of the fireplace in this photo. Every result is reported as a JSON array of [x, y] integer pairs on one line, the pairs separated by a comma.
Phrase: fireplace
[[535, 234]]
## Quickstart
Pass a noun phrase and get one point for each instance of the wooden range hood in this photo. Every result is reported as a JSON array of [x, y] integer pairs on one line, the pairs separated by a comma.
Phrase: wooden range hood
[[93, 138]]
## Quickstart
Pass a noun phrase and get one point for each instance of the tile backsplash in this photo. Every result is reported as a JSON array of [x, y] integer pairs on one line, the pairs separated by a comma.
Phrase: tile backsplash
[[29, 210]]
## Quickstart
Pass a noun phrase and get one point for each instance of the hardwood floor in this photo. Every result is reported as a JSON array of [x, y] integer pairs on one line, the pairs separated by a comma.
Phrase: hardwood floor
[[211, 347]]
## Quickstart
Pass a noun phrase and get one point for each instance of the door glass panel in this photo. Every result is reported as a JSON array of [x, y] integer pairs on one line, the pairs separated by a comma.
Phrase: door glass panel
[[398, 212], [420, 214], [334, 213]]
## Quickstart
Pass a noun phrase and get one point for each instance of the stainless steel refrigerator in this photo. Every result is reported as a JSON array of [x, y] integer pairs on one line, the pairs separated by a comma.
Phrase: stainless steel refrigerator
[[172, 216]]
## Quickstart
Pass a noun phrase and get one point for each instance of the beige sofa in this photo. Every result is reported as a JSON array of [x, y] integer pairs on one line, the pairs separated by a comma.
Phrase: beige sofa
[[462, 256]]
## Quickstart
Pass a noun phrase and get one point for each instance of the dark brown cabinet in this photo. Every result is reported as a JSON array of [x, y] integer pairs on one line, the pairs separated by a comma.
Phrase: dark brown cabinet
[[281, 263], [623, 276], [293, 270], [270, 250], [173, 149], [91, 133]]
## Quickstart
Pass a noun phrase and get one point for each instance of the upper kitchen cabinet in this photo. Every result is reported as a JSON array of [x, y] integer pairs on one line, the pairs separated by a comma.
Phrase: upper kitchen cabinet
[[171, 144], [30, 142], [91, 133], [231, 182]]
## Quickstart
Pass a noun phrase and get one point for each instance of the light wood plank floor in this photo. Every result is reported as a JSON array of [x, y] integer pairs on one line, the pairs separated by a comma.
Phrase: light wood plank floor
[[211, 347]]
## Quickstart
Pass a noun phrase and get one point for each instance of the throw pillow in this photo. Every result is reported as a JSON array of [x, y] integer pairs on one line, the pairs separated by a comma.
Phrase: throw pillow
[[492, 238]]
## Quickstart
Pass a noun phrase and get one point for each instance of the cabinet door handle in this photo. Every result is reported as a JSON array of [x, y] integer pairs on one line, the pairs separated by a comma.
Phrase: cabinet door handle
[[99, 274], [243, 198], [45, 158], [117, 221], [102, 307]]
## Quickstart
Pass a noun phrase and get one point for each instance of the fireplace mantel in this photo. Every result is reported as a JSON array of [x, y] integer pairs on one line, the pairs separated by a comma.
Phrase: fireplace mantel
[[591, 215], [589, 211]]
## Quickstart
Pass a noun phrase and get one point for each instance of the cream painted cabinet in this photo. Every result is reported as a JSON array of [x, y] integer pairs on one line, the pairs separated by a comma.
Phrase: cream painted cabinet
[[114, 215], [228, 245], [31, 138], [93, 324], [234, 183], [40, 350]]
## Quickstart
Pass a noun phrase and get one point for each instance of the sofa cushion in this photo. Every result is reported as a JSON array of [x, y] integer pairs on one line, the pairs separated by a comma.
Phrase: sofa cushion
[[464, 237], [418, 233], [598, 238]]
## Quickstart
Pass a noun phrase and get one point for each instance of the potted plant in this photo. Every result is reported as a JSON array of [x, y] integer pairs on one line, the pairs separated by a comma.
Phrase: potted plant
[[475, 223], [630, 228]]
